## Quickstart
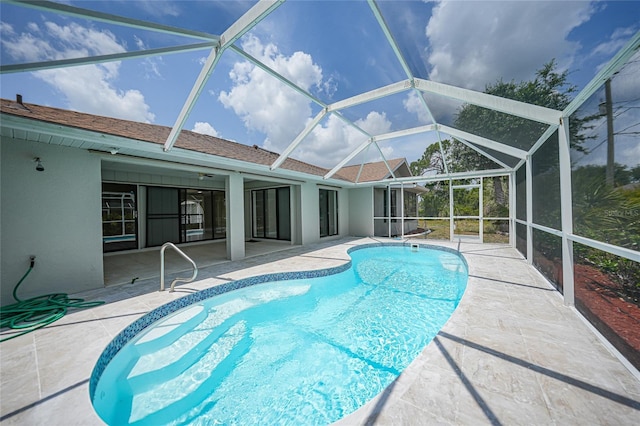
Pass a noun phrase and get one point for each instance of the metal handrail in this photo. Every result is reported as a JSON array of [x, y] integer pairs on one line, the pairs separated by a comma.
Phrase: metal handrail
[[181, 253]]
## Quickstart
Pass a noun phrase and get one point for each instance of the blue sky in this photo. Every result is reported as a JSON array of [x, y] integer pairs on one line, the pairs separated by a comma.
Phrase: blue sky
[[333, 49]]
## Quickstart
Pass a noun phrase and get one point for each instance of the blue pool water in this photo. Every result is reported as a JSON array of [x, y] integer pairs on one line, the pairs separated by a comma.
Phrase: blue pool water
[[301, 351]]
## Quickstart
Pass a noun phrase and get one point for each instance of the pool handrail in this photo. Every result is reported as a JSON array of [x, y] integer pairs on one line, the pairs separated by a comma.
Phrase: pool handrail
[[181, 253]]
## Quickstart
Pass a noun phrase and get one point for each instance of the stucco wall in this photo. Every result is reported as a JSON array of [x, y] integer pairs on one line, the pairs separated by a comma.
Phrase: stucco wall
[[54, 215], [310, 213], [361, 212]]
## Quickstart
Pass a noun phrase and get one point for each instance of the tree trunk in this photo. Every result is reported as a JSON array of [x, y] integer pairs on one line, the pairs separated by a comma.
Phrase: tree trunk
[[499, 192]]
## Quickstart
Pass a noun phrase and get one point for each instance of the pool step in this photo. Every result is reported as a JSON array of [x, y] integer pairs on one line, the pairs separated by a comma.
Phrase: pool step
[[181, 355], [190, 382], [170, 330]]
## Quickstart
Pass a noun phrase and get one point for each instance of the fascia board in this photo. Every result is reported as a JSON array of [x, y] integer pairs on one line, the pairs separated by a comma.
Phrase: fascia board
[[150, 150]]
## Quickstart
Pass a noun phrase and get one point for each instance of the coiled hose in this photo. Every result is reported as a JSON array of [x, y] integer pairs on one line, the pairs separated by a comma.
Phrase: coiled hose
[[37, 312]]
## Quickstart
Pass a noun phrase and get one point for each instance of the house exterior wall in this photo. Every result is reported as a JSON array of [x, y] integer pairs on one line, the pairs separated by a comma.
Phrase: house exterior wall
[[310, 213], [54, 215], [235, 221], [296, 214], [361, 212], [343, 213]]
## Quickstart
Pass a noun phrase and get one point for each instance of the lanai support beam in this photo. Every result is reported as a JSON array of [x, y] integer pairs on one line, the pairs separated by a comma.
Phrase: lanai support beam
[[406, 132], [371, 95], [303, 92], [542, 139], [529, 186], [611, 68], [202, 79], [293, 145], [276, 75], [566, 211], [442, 178], [497, 103], [433, 120], [247, 21], [65, 9], [385, 136], [512, 209], [349, 157], [390, 39], [481, 152], [497, 146], [45, 65]]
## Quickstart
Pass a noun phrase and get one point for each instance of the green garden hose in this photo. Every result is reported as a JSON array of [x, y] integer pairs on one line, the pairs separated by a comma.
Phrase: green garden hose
[[37, 312]]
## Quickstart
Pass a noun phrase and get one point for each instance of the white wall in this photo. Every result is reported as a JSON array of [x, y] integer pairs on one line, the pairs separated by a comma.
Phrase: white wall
[[296, 214], [343, 212], [361, 212], [54, 215], [235, 216], [310, 213]]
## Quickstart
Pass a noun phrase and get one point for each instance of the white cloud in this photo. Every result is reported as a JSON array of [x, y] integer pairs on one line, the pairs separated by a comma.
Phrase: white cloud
[[205, 129], [33, 27], [6, 29], [618, 39], [264, 103], [151, 65], [330, 142], [473, 44], [414, 105], [88, 88], [159, 8]]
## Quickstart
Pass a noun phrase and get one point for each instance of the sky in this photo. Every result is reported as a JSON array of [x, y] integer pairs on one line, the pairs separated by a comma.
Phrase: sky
[[331, 49]]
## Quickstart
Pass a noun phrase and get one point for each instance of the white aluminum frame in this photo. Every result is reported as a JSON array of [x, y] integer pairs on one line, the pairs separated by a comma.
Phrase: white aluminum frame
[[557, 120]]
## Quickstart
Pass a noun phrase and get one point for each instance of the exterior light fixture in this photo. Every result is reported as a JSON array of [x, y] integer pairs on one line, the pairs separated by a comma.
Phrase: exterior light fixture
[[114, 150], [39, 166]]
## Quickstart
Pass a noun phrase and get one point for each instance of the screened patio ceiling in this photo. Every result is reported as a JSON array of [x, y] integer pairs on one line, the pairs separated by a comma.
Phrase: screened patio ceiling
[[392, 76]]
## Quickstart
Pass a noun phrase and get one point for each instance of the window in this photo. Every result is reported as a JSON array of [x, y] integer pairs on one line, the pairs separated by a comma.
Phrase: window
[[394, 197], [328, 212], [410, 204]]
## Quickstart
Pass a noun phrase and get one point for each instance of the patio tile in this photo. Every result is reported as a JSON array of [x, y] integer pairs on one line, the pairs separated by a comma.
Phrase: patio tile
[[511, 353]]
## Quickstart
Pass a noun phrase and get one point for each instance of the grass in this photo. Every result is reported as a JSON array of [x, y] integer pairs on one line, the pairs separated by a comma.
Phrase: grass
[[492, 232]]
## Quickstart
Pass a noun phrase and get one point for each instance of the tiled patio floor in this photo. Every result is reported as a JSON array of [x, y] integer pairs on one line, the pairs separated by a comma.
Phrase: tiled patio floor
[[511, 354]]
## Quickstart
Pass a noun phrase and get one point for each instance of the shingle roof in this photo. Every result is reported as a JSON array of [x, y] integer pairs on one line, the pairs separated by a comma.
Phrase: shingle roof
[[158, 135], [371, 172]]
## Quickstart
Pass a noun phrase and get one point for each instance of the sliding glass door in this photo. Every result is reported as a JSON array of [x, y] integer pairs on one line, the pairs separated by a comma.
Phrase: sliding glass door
[[180, 215], [328, 212], [271, 213], [119, 217], [163, 216]]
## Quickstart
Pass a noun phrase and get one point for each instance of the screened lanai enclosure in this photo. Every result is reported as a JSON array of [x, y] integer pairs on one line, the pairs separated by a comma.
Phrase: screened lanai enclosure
[[539, 150]]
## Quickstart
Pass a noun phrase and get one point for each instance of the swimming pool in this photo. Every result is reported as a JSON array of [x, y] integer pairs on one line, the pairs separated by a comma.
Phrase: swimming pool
[[306, 350]]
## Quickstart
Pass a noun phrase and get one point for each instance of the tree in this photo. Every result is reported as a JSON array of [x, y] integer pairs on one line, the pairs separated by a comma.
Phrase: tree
[[549, 88], [432, 159]]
